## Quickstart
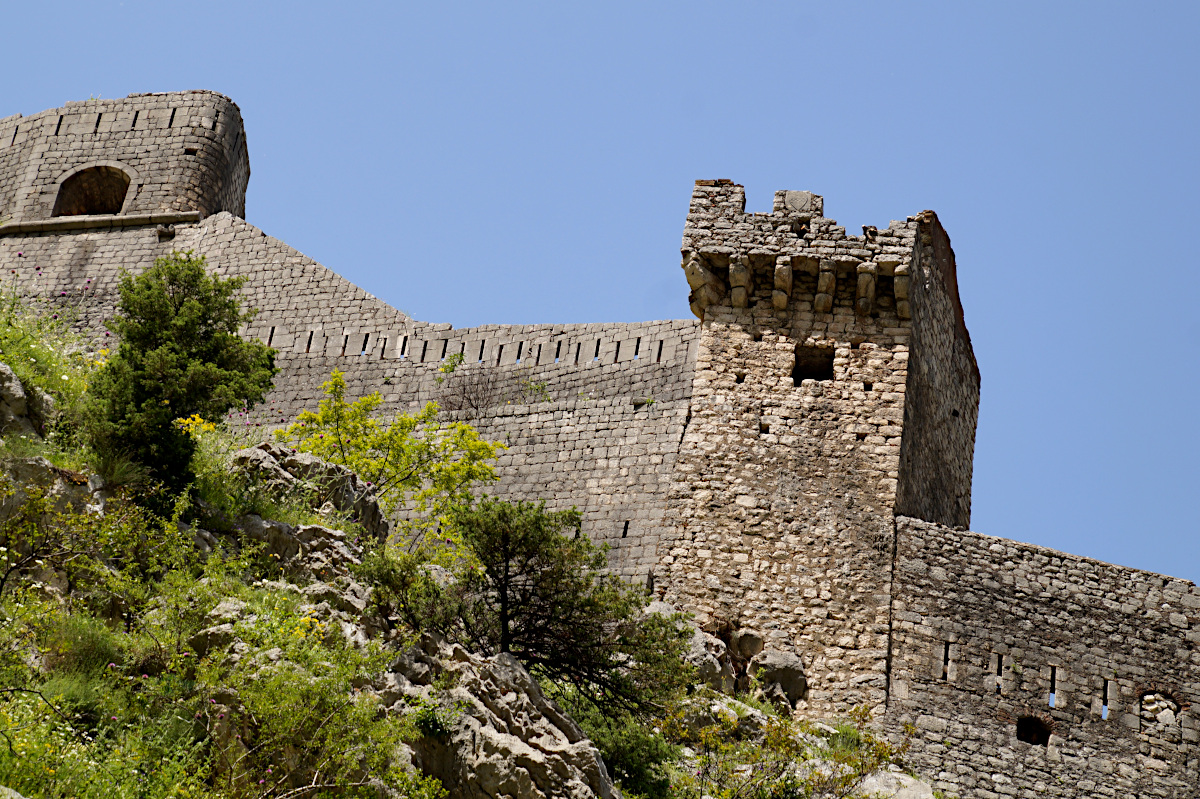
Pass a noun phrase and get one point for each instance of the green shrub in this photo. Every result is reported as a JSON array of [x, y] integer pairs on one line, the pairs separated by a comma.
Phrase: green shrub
[[179, 355]]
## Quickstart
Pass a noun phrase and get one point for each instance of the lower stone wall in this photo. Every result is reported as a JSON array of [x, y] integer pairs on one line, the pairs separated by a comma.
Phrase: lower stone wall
[[985, 630]]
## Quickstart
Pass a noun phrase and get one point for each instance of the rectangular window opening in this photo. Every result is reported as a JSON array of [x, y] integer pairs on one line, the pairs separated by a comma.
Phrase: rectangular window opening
[[596, 357], [445, 346], [499, 354], [345, 342], [133, 124], [577, 347], [366, 340], [537, 359], [14, 138], [658, 358], [946, 661], [270, 336], [617, 354], [482, 344], [999, 672], [625, 530], [171, 121], [1104, 701], [58, 127], [308, 346], [812, 363], [557, 350], [96, 129], [1053, 684], [403, 346], [383, 348], [520, 348], [424, 350], [637, 347]]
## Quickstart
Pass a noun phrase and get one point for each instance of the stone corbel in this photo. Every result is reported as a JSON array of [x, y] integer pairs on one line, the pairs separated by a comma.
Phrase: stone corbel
[[826, 286], [903, 309], [707, 288], [867, 273], [783, 283], [741, 289]]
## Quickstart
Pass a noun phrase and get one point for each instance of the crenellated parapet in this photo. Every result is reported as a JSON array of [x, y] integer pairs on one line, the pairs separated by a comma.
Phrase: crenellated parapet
[[729, 256]]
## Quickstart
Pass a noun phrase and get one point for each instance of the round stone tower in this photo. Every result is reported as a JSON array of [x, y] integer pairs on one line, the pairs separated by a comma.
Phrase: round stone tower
[[145, 154]]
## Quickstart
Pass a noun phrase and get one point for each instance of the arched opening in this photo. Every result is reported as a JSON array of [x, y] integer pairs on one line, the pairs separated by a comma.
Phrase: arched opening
[[96, 190], [1033, 730]]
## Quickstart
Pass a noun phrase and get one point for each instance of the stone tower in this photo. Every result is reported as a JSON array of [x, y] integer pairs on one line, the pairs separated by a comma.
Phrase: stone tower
[[146, 154], [835, 390]]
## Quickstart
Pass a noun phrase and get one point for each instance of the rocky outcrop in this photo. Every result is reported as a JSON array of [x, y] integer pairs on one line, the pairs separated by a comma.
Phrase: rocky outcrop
[[781, 675], [504, 737], [284, 469], [23, 410]]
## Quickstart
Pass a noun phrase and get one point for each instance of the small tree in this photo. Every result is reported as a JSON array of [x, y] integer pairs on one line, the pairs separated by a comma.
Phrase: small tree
[[410, 461], [536, 588], [179, 355]]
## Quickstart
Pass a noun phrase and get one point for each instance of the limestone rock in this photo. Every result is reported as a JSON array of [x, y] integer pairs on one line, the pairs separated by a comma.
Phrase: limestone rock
[[781, 674], [280, 468], [509, 740], [891, 785]]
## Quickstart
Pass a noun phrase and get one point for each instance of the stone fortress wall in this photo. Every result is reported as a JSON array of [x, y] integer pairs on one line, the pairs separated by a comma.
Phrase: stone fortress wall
[[797, 463]]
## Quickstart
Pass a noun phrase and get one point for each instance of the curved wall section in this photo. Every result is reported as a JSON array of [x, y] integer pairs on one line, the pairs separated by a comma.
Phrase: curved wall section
[[183, 151]]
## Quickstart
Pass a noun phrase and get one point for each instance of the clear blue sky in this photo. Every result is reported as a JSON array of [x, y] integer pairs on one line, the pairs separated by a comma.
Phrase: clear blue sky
[[518, 162]]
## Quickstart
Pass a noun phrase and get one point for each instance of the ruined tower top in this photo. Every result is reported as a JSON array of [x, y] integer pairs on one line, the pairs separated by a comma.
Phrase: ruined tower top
[[146, 154]]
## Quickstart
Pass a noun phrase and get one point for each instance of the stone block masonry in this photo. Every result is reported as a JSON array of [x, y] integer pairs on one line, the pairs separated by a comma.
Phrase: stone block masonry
[[797, 463]]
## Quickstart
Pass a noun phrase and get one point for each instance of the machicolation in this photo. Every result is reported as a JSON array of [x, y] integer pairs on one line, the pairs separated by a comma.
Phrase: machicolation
[[793, 466]]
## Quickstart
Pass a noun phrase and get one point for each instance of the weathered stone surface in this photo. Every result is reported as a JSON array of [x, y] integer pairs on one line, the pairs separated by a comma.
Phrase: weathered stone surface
[[782, 676], [890, 785], [509, 740], [280, 467]]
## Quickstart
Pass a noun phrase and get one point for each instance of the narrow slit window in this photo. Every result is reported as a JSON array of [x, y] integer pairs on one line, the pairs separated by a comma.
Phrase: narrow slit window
[[482, 344], [1104, 701], [133, 124], [171, 121], [617, 354], [520, 349], [658, 358], [499, 354], [96, 129], [596, 357], [999, 672], [650, 583], [366, 341], [383, 348], [1053, 684], [625, 530], [557, 350], [345, 342], [577, 348], [637, 347], [424, 350], [58, 127], [445, 346], [270, 336], [537, 359], [403, 346], [946, 661], [13, 140], [308, 346]]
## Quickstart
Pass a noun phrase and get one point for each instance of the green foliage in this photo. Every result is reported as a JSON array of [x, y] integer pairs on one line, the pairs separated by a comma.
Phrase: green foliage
[[179, 355], [637, 755], [793, 759], [411, 460], [121, 703], [547, 599]]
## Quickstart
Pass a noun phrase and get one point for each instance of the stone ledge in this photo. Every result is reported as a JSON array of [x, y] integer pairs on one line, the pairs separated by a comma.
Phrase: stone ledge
[[100, 221]]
